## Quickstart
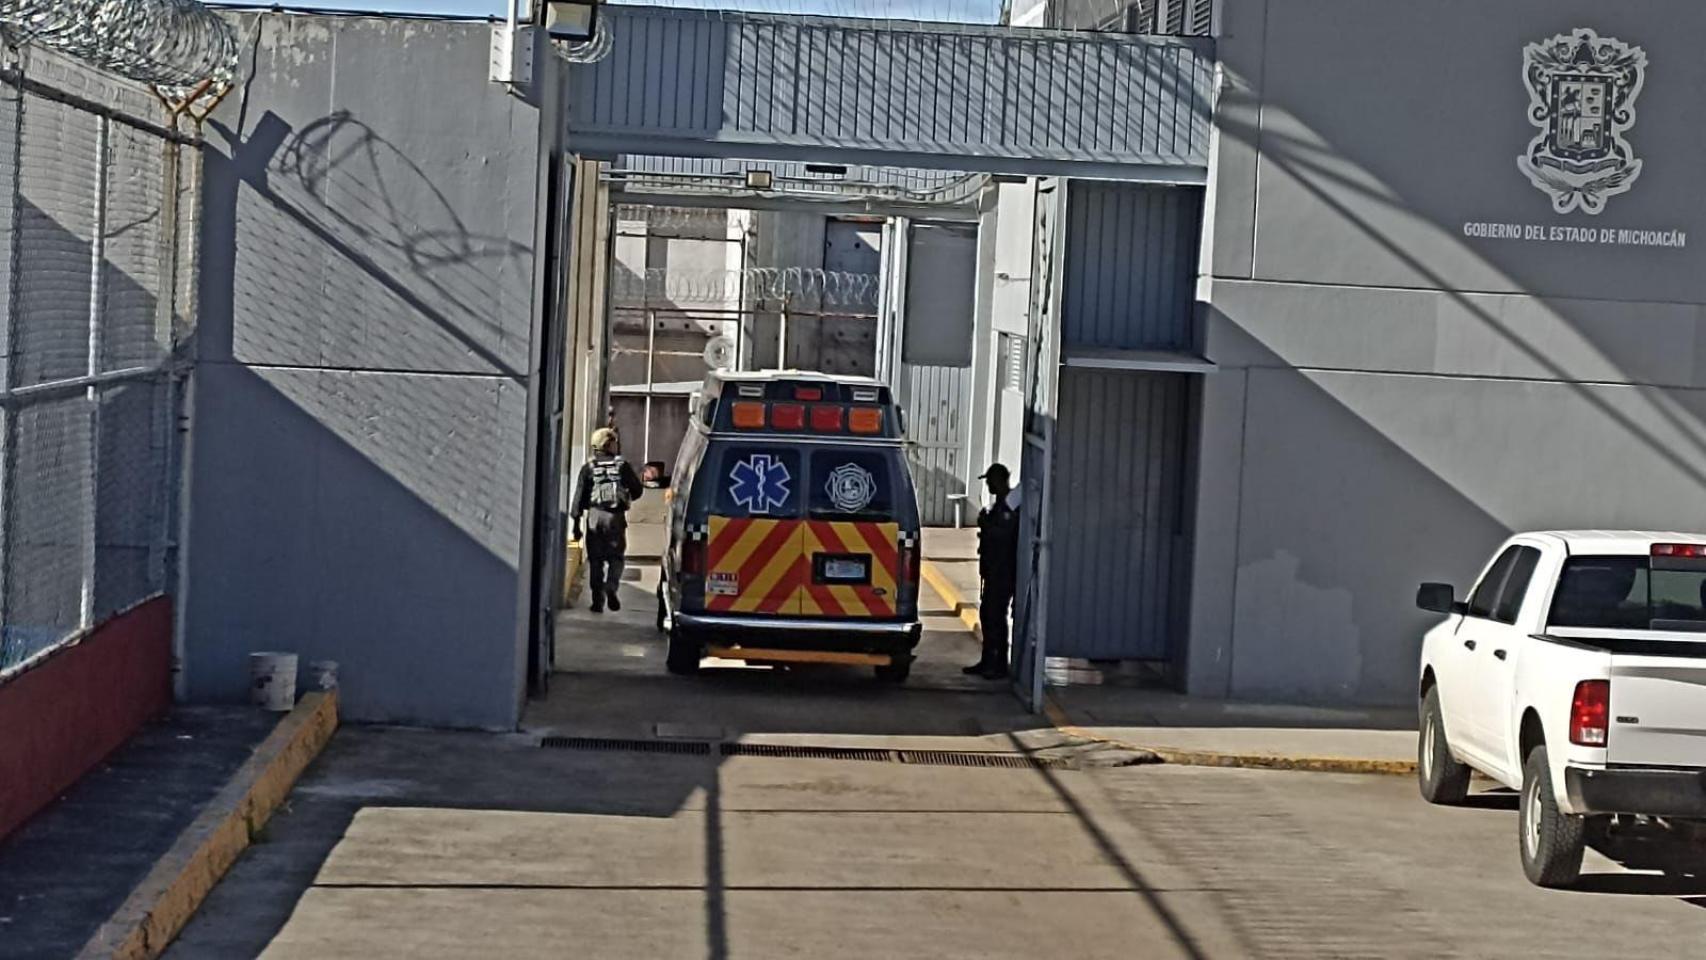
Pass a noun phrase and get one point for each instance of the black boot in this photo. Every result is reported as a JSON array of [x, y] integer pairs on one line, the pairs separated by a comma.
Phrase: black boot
[[598, 600], [975, 670], [615, 604]]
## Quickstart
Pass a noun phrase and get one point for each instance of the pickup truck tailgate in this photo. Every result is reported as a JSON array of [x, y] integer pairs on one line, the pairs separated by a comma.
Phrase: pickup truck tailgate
[[1658, 711]]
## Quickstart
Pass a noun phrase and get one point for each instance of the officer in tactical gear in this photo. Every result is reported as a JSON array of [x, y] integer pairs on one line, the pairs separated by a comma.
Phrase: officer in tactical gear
[[998, 566], [603, 491]]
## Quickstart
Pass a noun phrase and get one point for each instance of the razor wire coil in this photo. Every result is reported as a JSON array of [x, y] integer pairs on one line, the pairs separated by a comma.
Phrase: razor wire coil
[[805, 286], [173, 44]]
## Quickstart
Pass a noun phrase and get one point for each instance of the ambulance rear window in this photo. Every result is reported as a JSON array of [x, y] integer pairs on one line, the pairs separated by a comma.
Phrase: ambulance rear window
[[759, 480], [852, 484]]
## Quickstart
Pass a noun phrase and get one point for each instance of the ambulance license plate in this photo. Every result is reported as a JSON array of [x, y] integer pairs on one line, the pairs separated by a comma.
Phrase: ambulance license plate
[[846, 571]]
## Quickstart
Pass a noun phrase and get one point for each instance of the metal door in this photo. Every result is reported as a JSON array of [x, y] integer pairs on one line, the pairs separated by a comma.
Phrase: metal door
[[936, 354], [1118, 549], [936, 402]]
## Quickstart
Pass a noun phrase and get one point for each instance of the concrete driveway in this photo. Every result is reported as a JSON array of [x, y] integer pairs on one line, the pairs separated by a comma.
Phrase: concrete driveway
[[643, 841], [639, 837], [1310, 865]]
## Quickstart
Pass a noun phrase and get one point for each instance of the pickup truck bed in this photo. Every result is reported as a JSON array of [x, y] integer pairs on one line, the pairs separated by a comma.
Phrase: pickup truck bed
[[1574, 672]]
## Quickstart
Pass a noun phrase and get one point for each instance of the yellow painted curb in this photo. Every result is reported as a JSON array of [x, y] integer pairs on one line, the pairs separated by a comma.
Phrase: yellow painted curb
[[1207, 758], [967, 612], [573, 559], [157, 910]]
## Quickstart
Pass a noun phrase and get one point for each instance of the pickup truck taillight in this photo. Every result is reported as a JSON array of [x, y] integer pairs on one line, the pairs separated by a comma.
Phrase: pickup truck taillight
[[1590, 711]]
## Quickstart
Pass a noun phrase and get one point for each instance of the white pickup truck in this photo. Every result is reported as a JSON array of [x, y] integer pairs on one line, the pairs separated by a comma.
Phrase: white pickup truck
[[1574, 672]]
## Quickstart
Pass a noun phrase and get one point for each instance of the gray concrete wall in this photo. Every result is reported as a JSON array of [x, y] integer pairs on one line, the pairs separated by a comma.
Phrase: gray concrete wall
[[361, 392], [1395, 394]]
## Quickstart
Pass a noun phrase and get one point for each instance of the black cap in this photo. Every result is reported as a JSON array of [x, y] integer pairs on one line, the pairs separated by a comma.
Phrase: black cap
[[995, 470]]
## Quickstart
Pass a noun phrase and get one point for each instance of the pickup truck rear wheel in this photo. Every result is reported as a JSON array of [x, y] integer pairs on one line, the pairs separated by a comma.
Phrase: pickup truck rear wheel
[[1552, 841], [1442, 779]]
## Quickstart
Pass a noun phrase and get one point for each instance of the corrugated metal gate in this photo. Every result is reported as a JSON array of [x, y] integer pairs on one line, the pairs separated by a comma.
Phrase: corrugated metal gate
[[1118, 537], [1131, 265], [1112, 438], [935, 427]]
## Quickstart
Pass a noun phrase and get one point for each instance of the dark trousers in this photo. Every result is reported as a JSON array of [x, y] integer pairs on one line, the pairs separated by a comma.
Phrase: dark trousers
[[994, 607], [606, 546]]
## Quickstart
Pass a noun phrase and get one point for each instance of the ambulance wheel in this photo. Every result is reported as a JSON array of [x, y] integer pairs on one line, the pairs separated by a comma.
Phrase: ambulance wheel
[[895, 671], [684, 653]]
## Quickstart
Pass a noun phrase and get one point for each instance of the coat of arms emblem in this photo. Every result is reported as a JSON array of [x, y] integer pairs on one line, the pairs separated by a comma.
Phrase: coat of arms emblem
[[1582, 89]]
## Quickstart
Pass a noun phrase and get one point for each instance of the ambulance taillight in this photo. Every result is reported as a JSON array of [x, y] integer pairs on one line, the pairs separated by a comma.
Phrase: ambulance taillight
[[865, 420]]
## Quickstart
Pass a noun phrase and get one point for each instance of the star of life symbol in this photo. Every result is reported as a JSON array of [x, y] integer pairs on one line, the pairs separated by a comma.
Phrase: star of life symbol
[[851, 488], [760, 483], [1582, 89]]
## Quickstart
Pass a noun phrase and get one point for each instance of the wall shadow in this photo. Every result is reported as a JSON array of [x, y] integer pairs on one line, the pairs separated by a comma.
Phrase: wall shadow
[[1399, 422], [358, 461]]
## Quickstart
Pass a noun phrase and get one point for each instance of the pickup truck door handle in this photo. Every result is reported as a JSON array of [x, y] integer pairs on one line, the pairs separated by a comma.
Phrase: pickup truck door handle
[[1499, 653], [1469, 643]]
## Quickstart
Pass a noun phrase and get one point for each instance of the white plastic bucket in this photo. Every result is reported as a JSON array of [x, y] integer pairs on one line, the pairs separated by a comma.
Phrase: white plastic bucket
[[323, 674], [272, 681]]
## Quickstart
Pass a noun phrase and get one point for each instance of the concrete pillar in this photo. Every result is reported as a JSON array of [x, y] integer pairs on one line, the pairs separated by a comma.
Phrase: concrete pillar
[[1218, 481]]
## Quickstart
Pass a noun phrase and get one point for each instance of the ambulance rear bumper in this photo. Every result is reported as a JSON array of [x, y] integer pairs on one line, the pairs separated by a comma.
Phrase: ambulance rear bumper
[[886, 629]]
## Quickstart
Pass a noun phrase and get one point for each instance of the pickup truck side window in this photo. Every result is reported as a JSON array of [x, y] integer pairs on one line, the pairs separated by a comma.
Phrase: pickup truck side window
[[1516, 585], [1486, 596]]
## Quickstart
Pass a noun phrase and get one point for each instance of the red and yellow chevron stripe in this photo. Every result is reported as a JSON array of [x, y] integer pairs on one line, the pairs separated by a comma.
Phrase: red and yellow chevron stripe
[[763, 556], [766, 565]]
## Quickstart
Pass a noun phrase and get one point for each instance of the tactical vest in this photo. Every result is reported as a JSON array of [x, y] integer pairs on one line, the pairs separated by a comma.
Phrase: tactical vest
[[608, 490]]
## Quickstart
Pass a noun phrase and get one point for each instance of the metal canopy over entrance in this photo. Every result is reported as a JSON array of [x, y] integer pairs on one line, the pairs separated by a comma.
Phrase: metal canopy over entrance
[[940, 96]]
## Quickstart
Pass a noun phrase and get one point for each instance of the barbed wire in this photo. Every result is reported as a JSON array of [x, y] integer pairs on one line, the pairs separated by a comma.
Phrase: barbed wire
[[805, 286], [174, 44], [588, 51]]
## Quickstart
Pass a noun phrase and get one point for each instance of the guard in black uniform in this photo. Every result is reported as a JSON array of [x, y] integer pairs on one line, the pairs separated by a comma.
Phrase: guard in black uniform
[[603, 491], [998, 566]]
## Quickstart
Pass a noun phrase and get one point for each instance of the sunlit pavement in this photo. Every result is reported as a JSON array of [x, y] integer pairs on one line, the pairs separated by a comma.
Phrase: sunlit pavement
[[428, 844]]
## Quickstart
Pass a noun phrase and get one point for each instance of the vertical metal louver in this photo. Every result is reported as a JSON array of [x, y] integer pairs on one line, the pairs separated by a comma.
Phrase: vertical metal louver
[[1172, 17], [1200, 20]]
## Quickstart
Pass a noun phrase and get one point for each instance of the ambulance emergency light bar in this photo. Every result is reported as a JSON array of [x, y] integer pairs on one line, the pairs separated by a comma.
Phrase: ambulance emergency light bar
[[822, 409]]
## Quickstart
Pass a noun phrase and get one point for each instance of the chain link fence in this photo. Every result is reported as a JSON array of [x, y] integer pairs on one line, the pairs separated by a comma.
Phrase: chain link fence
[[97, 226]]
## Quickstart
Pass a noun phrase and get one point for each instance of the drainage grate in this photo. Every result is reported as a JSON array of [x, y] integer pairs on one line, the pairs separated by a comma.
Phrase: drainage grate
[[955, 758], [628, 746], [807, 752], [923, 758]]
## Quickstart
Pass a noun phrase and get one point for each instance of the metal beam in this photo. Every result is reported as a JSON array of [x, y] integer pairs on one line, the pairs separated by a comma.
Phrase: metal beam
[[1002, 100], [610, 145], [965, 212]]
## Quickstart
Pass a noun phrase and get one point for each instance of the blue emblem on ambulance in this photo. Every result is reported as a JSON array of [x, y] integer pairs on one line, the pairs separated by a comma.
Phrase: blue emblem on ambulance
[[760, 483]]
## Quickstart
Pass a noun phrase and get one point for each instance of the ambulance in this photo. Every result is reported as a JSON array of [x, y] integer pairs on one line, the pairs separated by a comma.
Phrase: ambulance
[[793, 527]]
